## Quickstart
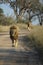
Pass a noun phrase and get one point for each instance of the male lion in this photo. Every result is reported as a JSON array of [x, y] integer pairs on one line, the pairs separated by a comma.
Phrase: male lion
[[14, 35]]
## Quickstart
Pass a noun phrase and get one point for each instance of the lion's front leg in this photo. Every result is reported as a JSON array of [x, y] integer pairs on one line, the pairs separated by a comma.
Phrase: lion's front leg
[[16, 43], [12, 43]]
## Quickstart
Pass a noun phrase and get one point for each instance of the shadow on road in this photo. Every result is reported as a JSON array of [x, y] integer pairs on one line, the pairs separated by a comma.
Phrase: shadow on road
[[11, 56], [14, 57]]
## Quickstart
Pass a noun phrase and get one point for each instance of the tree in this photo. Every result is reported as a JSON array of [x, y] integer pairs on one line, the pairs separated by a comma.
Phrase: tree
[[1, 15], [22, 6], [1, 11]]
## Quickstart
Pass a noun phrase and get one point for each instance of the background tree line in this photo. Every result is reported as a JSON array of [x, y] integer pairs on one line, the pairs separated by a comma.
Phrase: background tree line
[[20, 7], [5, 20]]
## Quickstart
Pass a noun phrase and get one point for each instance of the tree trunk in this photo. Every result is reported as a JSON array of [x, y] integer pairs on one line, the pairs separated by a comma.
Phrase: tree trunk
[[40, 22]]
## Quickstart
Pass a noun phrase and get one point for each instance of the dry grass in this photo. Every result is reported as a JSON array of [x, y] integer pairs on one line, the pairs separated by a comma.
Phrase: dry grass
[[36, 37], [37, 34], [4, 28], [22, 26], [19, 26]]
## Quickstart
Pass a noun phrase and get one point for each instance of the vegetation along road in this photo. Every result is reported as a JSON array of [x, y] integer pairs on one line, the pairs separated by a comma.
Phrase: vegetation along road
[[20, 55]]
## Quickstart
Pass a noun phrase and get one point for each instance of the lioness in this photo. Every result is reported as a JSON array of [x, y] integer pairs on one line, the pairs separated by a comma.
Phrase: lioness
[[29, 27], [14, 35]]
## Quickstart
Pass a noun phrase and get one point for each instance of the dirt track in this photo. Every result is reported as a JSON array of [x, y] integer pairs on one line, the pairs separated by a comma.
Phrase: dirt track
[[21, 55]]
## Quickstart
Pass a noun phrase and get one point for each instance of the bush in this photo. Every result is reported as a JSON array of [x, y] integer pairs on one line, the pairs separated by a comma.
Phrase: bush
[[6, 20]]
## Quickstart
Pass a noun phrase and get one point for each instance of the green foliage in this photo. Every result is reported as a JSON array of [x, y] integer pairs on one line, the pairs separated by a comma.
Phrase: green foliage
[[23, 5], [20, 21], [6, 20], [41, 8], [1, 11]]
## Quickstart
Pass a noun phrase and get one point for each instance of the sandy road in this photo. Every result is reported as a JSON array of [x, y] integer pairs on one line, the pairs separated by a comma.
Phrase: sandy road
[[17, 56]]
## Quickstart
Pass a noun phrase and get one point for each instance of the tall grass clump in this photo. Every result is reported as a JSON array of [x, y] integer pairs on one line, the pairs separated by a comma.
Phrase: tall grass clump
[[36, 38]]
